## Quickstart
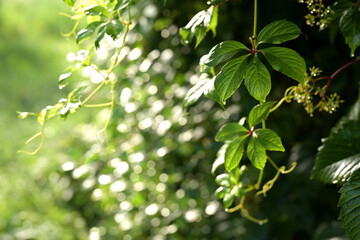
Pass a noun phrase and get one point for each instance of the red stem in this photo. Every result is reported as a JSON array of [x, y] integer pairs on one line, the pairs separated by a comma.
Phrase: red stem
[[336, 73]]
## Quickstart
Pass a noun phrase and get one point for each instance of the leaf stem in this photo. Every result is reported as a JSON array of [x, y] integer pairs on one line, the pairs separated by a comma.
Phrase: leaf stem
[[255, 23], [336, 73], [258, 183], [93, 93]]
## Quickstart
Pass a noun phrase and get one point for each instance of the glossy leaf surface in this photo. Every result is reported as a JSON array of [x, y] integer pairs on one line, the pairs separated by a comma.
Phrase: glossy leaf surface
[[269, 139], [259, 113], [234, 153], [350, 206], [278, 32], [230, 77], [339, 156], [257, 80], [229, 131], [223, 51], [286, 61]]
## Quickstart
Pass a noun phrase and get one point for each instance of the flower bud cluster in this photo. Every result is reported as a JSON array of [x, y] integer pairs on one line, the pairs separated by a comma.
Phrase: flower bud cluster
[[306, 93], [318, 13]]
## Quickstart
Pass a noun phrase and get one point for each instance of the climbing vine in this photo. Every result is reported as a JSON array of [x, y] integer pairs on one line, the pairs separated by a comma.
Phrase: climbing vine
[[248, 143]]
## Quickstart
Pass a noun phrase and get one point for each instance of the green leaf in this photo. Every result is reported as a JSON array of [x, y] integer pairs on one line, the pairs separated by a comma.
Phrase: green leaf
[[230, 77], [223, 51], [286, 61], [259, 113], [97, 11], [278, 32], [114, 28], [101, 34], [234, 152], [194, 93], [214, 21], [198, 26], [220, 158], [256, 153], [220, 192], [223, 180], [350, 28], [70, 2], [211, 93], [339, 156], [86, 33], [228, 198], [268, 139], [122, 4], [229, 131], [350, 206], [257, 80]]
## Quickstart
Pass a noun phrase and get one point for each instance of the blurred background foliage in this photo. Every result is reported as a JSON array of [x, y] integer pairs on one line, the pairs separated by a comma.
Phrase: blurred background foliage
[[158, 182]]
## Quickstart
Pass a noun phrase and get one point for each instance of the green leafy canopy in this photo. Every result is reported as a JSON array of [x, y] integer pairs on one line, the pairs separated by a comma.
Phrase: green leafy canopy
[[339, 156]]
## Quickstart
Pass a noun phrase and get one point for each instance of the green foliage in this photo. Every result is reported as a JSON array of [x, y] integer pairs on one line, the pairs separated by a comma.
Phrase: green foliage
[[230, 77], [146, 172], [339, 156], [349, 203], [257, 79], [350, 28], [259, 113], [199, 25], [223, 51], [345, 16], [286, 61], [278, 32]]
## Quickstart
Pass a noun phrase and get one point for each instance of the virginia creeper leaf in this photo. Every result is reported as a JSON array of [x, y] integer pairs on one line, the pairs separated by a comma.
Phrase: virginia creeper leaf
[[350, 206], [220, 192], [350, 28], [97, 11], [70, 2], [230, 77], [229, 131], [339, 156], [228, 199], [214, 21], [223, 51], [220, 158], [223, 180], [211, 93], [286, 61], [259, 113], [256, 153], [278, 32], [268, 139], [234, 152], [198, 26], [87, 32], [121, 4], [204, 86], [194, 93], [257, 80], [113, 29]]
